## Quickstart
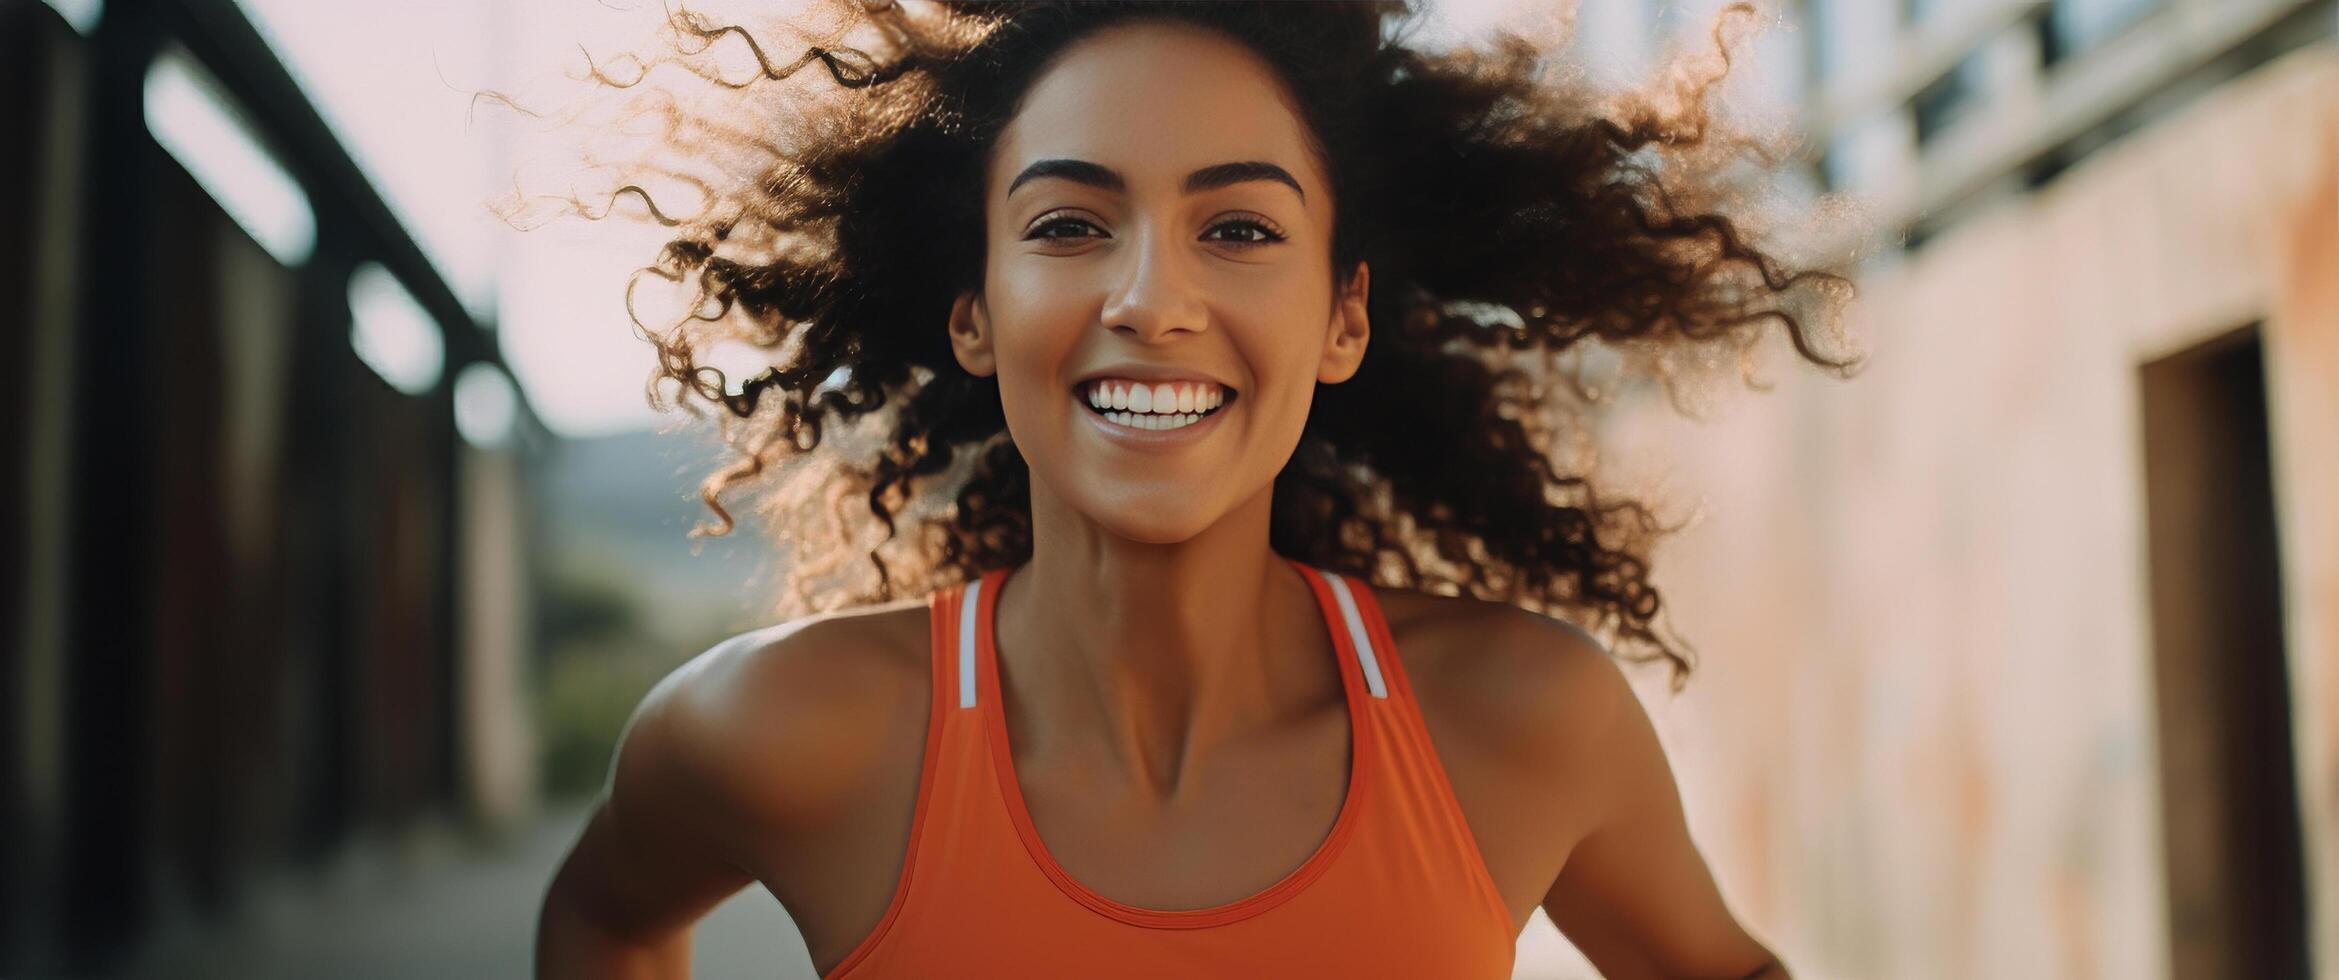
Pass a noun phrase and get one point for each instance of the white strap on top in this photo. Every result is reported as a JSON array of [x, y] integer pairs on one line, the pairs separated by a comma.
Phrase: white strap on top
[[966, 643], [1365, 657], [1358, 637]]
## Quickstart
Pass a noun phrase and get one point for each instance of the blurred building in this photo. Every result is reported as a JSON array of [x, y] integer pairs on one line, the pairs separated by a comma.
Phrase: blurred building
[[265, 586], [2021, 650]]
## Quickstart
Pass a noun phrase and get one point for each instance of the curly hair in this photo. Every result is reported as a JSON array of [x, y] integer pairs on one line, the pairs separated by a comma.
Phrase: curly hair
[[1513, 221]]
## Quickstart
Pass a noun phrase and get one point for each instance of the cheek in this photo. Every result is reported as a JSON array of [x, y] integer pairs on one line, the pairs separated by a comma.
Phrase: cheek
[[1278, 323], [1036, 324], [1032, 295]]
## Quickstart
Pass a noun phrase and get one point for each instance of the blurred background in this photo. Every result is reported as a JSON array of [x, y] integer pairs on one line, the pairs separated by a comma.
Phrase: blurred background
[[339, 540]]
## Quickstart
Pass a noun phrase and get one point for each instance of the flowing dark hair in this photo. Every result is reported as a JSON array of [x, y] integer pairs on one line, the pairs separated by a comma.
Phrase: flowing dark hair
[[1518, 226]]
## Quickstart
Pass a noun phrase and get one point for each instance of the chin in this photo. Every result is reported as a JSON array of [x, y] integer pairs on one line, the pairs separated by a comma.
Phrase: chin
[[1151, 521]]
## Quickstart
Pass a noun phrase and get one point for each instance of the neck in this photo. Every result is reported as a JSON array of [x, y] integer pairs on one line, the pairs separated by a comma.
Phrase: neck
[[1155, 654]]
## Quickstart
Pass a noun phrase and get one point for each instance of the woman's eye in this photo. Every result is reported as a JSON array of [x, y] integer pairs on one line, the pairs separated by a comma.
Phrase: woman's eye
[[1044, 230], [1252, 232]]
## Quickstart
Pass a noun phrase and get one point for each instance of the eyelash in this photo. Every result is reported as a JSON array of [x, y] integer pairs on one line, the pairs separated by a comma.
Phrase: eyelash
[[1270, 234]]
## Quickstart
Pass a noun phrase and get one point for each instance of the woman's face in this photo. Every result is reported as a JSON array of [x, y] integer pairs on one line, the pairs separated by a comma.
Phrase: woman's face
[[1156, 223]]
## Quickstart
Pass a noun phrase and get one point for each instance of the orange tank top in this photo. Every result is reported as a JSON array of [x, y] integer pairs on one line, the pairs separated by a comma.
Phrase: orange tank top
[[1397, 889]]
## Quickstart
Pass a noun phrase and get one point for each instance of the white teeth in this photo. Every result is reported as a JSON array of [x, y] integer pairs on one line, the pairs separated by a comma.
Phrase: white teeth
[[1152, 422], [1172, 404]]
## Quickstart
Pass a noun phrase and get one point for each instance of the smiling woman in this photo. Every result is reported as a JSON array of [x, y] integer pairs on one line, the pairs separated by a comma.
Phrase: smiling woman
[[1215, 355]]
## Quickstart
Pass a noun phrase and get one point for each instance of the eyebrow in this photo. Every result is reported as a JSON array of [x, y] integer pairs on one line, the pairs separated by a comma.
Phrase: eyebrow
[[1212, 177]]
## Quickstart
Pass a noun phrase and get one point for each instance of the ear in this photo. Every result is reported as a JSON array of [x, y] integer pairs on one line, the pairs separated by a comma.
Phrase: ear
[[970, 335], [1345, 336]]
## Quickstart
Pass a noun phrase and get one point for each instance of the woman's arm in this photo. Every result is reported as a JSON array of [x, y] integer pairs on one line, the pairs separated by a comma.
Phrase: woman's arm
[[730, 768], [651, 859], [616, 911], [1635, 895]]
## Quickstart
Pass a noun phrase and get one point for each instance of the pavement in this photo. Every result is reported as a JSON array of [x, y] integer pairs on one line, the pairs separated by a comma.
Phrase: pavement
[[439, 905]]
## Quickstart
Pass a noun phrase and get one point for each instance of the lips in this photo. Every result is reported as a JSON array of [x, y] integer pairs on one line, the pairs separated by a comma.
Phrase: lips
[[1152, 408], [1152, 431]]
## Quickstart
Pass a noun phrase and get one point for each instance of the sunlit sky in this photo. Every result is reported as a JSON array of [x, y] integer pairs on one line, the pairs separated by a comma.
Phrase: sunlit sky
[[398, 90]]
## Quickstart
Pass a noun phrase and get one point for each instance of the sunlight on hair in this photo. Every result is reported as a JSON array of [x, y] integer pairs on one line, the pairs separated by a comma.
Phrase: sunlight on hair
[[392, 333], [485, 406], [189, 113]]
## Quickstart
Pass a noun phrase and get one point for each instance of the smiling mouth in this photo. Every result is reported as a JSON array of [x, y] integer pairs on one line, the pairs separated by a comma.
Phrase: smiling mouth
[[1151, 412]]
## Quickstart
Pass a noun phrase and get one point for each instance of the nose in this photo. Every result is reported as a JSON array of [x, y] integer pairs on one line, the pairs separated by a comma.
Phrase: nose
[[1156, 294]]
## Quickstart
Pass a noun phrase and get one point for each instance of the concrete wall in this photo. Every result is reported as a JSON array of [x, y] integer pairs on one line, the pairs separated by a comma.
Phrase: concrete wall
[[1923, 742], [2305, 395]]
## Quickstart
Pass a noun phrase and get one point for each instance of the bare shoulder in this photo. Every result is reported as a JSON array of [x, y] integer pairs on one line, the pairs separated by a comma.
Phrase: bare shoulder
[[782, 726], [1517, 705], [1567, 788], [1519, 681]]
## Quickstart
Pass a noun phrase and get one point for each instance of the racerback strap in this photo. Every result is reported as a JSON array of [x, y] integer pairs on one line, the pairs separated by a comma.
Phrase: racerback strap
[[1360, 639]]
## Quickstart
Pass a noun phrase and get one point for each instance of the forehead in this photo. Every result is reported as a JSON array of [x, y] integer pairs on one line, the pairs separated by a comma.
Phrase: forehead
[[1155, 100]]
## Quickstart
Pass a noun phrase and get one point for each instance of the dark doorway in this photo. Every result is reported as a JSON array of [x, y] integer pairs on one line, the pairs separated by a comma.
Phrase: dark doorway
[[2236, 889]]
